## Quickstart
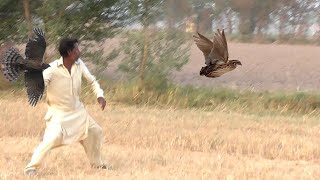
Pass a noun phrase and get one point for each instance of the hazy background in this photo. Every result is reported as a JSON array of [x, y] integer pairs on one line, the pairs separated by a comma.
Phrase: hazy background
[[163, 120], [144, 40]]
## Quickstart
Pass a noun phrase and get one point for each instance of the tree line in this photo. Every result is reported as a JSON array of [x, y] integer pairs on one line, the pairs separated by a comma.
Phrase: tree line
[[161, 43], [247, 18]]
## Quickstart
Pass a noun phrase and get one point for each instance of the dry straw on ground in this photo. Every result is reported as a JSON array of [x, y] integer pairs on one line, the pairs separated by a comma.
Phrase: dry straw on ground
[[151, 143]]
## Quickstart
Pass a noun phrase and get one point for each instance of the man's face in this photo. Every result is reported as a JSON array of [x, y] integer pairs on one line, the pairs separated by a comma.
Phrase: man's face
[[75, 53]]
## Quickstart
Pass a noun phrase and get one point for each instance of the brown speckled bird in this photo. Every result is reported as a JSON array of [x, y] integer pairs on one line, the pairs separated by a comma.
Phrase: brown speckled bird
[[216, 55]]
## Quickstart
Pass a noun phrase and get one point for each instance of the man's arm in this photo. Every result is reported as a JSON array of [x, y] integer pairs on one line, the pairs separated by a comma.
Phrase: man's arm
[[94, 84]]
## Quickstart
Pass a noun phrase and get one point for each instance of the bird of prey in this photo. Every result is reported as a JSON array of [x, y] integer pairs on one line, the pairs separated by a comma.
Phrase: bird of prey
[[14, 65], [216, 55]]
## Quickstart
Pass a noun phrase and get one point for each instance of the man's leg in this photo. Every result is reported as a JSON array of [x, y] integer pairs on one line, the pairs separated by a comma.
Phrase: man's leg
[[92, 145], [52, 138]]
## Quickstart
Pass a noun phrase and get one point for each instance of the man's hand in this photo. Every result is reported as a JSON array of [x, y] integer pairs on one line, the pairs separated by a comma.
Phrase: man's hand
[[102, 102]]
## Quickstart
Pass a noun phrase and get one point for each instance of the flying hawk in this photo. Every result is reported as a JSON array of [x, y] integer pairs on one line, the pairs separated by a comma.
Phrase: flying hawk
[[216, 55], [13, 65]]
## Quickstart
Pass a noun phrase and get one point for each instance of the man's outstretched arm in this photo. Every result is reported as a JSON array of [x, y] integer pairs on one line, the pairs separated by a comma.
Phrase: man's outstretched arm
[[94, 84]]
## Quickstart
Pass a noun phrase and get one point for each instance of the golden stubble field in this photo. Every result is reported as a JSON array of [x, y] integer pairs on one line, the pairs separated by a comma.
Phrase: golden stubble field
[[154, 143]]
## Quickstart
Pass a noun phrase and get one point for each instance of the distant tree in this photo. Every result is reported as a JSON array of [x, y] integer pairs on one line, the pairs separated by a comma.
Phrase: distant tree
[[27, 14], [90, 20], [252, 14], [223, 10], [176, 11], [204, 14], [11, 20], [303, 12], [168, 51], [152, 53], [295, 16], [145, 12]]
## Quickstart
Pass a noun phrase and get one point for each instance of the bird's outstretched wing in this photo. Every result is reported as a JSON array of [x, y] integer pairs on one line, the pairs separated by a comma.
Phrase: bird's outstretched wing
[[203, 43], [215, 52], [36, 46], [220, 46], [35, 85]]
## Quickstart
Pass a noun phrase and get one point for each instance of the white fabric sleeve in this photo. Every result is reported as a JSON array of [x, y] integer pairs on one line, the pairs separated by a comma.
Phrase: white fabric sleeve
[[47, 73], [91, 80]]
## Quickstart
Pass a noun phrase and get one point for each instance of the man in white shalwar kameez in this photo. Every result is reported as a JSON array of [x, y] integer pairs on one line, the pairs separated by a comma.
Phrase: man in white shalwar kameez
[[67, 121]]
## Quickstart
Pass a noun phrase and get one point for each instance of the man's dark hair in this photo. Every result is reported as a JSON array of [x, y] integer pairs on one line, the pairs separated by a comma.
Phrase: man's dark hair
[[66, 45]]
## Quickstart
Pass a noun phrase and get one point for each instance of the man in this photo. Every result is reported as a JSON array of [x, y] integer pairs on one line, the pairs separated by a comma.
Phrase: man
[[67, 121]]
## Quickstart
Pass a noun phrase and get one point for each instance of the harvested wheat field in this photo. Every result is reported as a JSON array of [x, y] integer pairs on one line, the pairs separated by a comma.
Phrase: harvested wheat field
[[154, 143]]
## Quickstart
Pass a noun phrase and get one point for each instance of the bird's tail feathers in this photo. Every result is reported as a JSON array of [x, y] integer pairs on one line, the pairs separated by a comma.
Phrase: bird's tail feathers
[[12, 64]]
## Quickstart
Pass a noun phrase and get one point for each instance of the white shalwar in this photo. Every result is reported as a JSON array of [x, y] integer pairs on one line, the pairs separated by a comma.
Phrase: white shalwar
[[67, 121]]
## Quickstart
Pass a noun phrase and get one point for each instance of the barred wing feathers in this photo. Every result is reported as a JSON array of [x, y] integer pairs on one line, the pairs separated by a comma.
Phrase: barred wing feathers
[[35, 50], [36, 47], [35, 86]]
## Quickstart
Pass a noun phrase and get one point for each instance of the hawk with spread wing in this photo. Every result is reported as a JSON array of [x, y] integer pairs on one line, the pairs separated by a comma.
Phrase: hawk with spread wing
[[13, 65], [216, 55]]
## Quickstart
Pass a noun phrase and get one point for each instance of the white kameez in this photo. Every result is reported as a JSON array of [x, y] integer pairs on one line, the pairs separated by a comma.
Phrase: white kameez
[[64, 106], [67, 121]]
